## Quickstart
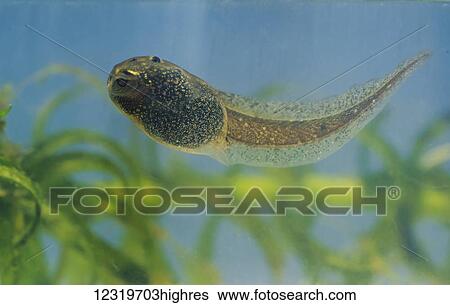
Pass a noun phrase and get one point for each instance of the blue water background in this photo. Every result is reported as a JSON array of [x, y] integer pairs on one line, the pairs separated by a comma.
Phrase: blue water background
[[238, 47]]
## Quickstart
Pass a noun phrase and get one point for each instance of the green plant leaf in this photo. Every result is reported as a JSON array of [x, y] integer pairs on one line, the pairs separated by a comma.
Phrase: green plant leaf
[[53, 144], [11, 173], [43, 116], [434, 130], [63, 165], [58, 70], [266, 237], [4, 111], [207, 238]]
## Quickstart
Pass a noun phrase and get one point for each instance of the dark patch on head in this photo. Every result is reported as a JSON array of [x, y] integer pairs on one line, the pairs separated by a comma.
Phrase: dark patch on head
[[121, 82]]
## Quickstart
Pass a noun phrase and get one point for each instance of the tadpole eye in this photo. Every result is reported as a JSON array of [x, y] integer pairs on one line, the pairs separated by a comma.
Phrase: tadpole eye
[[121, 82], [156, 59]]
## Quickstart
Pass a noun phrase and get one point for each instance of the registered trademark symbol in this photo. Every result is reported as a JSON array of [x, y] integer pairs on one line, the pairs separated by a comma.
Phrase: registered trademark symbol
[[393, 192]]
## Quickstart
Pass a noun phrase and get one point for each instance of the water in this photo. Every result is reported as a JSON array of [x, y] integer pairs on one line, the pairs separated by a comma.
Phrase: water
[[294, 46]]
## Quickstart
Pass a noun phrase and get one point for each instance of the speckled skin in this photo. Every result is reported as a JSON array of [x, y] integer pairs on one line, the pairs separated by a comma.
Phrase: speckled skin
[[169, 104], [270, 132], [180, 110]]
